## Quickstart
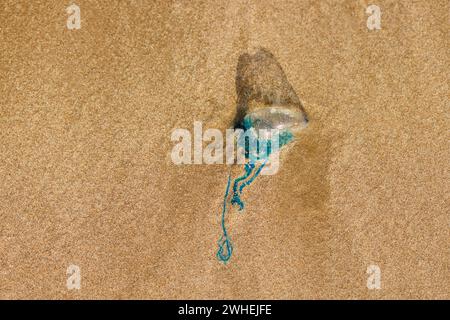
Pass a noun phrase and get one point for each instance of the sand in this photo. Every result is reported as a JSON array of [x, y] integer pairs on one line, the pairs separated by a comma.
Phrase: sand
[[87, 178]]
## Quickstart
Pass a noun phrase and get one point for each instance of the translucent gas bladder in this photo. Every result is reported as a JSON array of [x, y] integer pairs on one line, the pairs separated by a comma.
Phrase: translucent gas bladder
[[276, 117], [266, 103]]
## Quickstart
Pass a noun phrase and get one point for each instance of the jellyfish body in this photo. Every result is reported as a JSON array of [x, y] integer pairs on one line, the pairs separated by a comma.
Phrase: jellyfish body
[[266, 101]]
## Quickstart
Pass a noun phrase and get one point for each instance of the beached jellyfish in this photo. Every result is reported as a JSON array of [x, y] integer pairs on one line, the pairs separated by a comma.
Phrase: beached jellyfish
[[266, 103]]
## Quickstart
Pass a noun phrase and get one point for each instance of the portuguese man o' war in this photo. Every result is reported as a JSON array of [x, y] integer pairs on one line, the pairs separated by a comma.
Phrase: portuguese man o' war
[[269, 112]]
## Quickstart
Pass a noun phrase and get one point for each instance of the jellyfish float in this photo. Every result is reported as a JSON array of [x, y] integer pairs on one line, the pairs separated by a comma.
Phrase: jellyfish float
[[270, 114]]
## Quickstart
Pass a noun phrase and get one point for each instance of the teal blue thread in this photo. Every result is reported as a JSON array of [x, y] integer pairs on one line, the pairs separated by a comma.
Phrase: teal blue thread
[[236, 199], [249, 181], [225, 250], [247, 123], [224, 240], [285, 137]]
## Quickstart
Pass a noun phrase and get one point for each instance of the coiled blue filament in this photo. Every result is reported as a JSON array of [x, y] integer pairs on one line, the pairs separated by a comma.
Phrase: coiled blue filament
[[252, 169]]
